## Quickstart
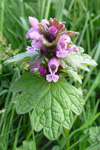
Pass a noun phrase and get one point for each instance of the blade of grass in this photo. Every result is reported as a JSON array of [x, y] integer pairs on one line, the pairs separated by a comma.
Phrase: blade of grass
[[94, 85], [47, 9], [84, 29], [20, 24], [79, 141], [2, 16], [59, 9], [96, 57], [43, 8], [16, 136], [80, 129]]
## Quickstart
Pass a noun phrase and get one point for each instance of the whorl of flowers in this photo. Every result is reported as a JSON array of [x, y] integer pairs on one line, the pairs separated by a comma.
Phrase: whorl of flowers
[[52, 40]]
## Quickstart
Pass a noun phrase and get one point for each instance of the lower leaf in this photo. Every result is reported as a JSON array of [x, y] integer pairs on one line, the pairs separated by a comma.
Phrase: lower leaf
[[53, 103]]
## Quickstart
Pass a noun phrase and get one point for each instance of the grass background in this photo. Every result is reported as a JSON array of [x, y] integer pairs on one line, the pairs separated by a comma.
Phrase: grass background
[[80, 15]]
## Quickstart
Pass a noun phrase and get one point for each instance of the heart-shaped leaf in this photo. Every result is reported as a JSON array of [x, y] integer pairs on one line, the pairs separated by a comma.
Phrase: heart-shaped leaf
[[53, 103]]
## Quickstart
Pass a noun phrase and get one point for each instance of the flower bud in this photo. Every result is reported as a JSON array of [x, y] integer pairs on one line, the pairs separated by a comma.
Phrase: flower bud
[[53, 31], [42, 70]]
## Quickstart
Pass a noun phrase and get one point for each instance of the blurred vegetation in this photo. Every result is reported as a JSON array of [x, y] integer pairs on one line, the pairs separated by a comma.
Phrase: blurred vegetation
[[80, 15]]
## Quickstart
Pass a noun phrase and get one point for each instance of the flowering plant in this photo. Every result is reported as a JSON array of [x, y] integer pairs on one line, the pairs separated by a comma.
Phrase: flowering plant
[[53, 60]]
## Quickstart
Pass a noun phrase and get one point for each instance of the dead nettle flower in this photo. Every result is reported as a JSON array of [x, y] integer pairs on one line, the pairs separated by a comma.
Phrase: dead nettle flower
[[62, 45], [52, 40], [53, 65]]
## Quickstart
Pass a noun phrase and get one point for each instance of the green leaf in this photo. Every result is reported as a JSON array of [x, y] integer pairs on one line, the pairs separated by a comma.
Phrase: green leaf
[[24, 23], [2, 147], [94, 135], [53, 103], [27, 145], [81, 49], [74, 75], [56, 147], [23, 57], [94, 147], [84, 126], [78, 60]]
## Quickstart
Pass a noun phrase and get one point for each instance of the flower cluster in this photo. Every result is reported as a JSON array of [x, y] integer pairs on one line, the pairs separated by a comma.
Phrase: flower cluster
[[52, 40]]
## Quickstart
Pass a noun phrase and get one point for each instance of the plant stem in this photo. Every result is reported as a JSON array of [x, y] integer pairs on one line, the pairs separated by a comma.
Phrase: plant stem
[[33, 133], [66, 131]]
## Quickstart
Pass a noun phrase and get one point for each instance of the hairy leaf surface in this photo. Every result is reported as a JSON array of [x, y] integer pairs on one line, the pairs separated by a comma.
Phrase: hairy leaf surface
[[22, 57], [27, 145], [94, 135], [74, 75], [78, 60], [53, 103]]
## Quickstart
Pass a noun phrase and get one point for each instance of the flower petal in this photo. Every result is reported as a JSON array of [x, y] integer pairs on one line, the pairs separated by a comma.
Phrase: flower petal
[[62, 43], [55, 78], [44, 22], [61, 54], [30, 30], [34, 22], [53, 65], [37, 44], [49, 77], [34, 35], [30, 49], [73, 48]]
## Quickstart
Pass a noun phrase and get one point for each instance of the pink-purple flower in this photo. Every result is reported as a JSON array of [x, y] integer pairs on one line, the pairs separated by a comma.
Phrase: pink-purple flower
[[53, 43], [62, 46], [34, 22], [37, 41], [53, 65], [73, 48]]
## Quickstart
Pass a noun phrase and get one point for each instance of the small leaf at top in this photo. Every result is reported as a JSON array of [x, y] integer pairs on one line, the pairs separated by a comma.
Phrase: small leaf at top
[[78, 60]]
